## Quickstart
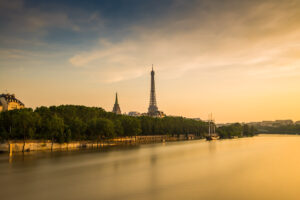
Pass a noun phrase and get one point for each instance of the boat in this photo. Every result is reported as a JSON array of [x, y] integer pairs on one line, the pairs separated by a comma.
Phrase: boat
[[212, 135]]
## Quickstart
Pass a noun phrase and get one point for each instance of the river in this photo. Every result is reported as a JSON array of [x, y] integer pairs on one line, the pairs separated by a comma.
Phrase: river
[[261, 167]]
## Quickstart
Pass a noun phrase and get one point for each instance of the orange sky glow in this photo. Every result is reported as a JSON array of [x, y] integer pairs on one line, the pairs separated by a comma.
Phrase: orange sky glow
[[236, 59]]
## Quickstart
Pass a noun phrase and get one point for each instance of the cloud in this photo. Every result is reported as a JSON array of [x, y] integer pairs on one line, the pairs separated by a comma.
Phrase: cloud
[[7, 5], [206, 35], [249, 36], [35, 23]]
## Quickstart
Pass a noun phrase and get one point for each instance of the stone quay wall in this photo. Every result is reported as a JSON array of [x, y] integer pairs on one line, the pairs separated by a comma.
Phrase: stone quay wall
[[47, 145]]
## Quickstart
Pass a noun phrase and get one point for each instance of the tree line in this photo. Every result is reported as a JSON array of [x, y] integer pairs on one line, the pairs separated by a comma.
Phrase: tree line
[[67, 123], [283, 129], [236, 130]]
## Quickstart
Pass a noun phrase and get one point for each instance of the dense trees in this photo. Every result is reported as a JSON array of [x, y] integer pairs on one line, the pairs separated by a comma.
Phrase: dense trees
[[172, 126], [99, 128], [68, 123], [72, 123], [131, 126], [283, 129], [19, 124], [236, 130]]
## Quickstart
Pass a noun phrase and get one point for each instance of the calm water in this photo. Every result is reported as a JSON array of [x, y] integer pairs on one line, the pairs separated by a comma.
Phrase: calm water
[[263, 167]]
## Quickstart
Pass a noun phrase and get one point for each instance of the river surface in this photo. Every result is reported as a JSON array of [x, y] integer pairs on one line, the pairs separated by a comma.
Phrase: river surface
[[262, 167]]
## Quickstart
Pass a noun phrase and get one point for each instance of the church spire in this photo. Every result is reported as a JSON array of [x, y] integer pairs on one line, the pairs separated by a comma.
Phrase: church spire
[[116, 108]]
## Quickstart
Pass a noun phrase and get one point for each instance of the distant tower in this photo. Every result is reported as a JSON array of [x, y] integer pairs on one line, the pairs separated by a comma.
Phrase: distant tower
[[116, 108], [152, 110]]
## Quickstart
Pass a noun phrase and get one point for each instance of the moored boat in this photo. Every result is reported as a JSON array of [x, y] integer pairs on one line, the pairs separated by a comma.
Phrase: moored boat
[[212, 135]]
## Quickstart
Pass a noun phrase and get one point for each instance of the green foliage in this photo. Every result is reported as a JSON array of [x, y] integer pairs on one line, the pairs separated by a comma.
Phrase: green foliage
[[131, 126], [172, 126], [283, 129], [100, 128], [67, 123], [68, 135], [235, 130], [18, 124], [119, 130]]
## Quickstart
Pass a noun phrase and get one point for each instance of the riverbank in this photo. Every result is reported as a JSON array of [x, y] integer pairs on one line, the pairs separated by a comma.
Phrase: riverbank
[[245, 168], [47, 145]]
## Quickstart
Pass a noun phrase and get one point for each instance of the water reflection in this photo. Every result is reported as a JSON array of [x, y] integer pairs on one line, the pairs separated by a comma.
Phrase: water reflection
[[212, 146], [264, 167]]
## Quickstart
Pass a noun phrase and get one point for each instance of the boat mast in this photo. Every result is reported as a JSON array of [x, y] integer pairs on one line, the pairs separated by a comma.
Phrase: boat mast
[[210, 128]]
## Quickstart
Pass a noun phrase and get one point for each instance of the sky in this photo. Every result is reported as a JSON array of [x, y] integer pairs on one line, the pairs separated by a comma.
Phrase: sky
[[236, 59]]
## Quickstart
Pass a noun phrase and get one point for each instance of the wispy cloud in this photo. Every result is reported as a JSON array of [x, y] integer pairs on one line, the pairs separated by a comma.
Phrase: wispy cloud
[[37, 24], [250, 36], [228, 45]]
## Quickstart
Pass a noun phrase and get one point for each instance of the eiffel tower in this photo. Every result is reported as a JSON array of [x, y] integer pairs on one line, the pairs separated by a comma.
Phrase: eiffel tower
[[153, 110], [116, 108]]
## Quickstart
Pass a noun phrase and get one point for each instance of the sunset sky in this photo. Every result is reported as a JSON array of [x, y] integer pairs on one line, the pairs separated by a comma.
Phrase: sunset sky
[[238, 59]]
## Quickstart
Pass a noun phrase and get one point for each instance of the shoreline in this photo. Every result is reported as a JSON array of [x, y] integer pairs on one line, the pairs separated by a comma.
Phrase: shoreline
[[47, 145]]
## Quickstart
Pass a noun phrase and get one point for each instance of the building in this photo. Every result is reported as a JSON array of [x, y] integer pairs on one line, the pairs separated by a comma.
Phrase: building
[[153, 110], [116, 108], [134, 114], [253, 123], [267, 123], [283, 122], [197, 119], [275, 123], [9, 102]]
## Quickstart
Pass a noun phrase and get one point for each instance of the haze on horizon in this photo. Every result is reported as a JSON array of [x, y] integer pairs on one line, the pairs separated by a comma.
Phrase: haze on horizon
[[236, 59]]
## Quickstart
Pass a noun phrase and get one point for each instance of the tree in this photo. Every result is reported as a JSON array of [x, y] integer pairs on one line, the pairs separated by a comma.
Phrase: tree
[[69, 122], [56, 128], [119, 131], [236, 129], [78, 128], [68, 136], [3, 131], [246, 130], [131, 125], [25, 123], [100, 128]]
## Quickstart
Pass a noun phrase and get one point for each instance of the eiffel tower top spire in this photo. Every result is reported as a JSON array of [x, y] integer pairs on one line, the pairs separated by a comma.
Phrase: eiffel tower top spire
[[116, 102], [152, 110], [116, 108]]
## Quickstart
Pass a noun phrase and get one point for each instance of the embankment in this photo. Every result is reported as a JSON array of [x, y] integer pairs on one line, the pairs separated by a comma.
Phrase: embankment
[[47, 145]]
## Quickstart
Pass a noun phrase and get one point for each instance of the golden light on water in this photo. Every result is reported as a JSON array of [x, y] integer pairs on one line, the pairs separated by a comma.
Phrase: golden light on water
[[262, 167]]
